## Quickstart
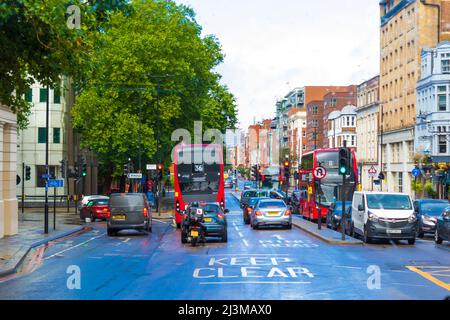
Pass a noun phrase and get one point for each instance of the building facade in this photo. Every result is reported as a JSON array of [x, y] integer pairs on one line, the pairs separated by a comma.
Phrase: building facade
[[341, 127], [367, 116], [406, 27], [9, 222]]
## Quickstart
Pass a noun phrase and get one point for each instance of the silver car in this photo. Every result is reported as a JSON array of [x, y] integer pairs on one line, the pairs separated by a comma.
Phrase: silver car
[[271, 212]]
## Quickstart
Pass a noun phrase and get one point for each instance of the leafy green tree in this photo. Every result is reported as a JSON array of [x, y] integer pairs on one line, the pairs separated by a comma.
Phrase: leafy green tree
[[150, 72], [37, 44]]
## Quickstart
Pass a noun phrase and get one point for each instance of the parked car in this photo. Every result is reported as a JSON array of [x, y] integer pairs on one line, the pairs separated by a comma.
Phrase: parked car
[[129, 211], [428, 211], [215, 220], [86, 199], [96, 208], [228, 183], [294, 202], [270, 212], [248, 208], [443, 227], [381, 215], [247, 194], [334, 215], [280, 195]]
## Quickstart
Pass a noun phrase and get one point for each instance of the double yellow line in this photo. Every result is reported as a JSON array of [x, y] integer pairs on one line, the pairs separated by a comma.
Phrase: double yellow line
[[430, 277]]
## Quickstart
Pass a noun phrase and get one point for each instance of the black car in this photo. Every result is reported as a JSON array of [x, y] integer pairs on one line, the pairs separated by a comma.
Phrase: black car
[[443, 227], [334, 215], [295, 202], [428, 211]]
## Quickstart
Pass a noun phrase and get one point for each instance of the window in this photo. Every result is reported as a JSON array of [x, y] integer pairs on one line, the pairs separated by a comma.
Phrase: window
[[442, 144], [333, 102], [56, 135], [40, 171], [29, 95], [400, 182], [442, 102], [42, 135], [353, 141], [43, 95], [445, 63], [57, 95]]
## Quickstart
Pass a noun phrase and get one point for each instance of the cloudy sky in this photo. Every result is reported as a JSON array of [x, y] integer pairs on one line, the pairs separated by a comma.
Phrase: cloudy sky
[[272, 46]]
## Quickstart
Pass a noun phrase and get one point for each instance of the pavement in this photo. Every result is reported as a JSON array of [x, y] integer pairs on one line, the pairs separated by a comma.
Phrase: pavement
[[264, 264], [14, 249]]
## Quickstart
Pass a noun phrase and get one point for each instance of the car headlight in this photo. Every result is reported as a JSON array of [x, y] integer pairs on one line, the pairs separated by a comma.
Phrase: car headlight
[[337, 217], [373, 217], [412, 218]]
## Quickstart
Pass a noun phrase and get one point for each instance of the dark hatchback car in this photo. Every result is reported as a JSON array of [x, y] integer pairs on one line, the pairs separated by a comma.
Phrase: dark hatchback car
[[249, 207], [428, 211], [334, 215], [443, 227], [214, 220], [129, 211]]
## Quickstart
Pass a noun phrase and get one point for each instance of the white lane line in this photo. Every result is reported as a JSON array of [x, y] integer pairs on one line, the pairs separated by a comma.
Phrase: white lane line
[[78, 245], [237, 229], [347, 267], [258, 282], [126, 240], [165, 222], [409, 285], [245, 242], [240, 234], [251, 254]]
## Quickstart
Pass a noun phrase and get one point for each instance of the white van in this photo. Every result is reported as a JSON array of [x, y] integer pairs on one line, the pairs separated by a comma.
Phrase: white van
[[382, 215]]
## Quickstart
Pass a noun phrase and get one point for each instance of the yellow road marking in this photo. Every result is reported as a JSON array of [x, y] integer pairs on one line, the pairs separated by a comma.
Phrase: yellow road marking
[[429, 277]]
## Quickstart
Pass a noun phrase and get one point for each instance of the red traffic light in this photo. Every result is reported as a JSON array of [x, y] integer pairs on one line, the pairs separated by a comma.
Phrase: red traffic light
[[160, 166], [286, 163]]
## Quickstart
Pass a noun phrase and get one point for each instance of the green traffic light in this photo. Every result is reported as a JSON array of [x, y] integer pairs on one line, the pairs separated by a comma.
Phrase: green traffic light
[[343, 170], [84, 174]]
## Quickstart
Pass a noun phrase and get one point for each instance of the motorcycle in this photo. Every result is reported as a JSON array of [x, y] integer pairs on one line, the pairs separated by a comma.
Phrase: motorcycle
[[193, 231]]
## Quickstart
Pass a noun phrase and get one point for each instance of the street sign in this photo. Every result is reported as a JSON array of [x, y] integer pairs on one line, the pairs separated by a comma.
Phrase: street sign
[[151, 167], [55, 183], [134, 176], [373, 172], [319, 173], [416, 172]]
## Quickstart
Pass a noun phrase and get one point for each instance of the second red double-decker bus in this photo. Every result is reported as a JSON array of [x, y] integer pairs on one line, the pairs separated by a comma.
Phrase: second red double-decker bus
[[198, 176], [329, 188]]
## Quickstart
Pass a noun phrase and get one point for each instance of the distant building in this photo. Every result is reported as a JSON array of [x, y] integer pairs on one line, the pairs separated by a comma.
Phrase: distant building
[[9, 222], [367, 122], [342, 127]]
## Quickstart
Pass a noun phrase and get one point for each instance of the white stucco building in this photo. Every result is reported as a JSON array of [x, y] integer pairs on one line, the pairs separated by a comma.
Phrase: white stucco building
[[342, 126], [433, 104], [8, 148]]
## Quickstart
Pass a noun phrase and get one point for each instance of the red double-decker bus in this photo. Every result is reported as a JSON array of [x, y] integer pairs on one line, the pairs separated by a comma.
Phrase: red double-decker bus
[[198, 176], [329, 188]]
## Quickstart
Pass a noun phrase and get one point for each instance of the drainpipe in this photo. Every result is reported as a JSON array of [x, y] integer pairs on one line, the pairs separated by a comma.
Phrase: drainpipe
[[438, 6]]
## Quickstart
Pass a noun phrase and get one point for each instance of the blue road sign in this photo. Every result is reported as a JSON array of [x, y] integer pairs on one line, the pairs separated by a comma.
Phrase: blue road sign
[[416, 172], [55, 183]]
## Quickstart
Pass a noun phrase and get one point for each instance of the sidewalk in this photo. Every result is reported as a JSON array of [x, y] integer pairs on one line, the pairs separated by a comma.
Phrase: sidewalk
[[13, 249]]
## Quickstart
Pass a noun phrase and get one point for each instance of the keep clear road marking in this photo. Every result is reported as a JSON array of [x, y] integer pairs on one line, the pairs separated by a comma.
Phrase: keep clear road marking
[[76, 246], [435, 271]]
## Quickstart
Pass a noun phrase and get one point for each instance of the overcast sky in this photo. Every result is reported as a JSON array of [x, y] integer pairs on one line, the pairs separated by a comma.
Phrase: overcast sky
[[272, 46]]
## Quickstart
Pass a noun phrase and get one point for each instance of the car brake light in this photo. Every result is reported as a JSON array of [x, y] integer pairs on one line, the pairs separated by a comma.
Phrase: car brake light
[[258, 213], [145, 212], [220, 216], [249, 209], [287, 213]]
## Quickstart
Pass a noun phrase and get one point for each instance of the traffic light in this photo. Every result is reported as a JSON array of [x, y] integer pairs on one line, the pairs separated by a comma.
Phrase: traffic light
[[159, 172], [260, 175], [27, 173], [126, 169], [63, 168], [77, 171], [255, 172], [83, 167], [287, 168], [344, 161]]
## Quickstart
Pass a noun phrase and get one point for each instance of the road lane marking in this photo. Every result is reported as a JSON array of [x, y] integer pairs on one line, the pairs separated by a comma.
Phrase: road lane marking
[[358, 268], [245, 242], [76, 246], [429, 276], [240, 234], [237, 229], [126, 240], [256, 282]]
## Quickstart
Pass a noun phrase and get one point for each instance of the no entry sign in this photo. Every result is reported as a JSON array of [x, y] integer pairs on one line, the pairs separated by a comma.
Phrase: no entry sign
[[319, 173]]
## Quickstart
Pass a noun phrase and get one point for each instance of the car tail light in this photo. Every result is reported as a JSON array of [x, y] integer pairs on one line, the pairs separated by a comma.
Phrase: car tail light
[[249, 209], [287, 213], [145, 212], [220, 216], [178, 207], [258, 213]]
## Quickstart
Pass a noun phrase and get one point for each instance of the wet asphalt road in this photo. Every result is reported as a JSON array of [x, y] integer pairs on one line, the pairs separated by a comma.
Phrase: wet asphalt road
[[257, 265]]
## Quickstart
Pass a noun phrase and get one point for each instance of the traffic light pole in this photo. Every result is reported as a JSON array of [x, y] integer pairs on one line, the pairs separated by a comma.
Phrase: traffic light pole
[[343, 219], [47, 113], [23, 188]]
